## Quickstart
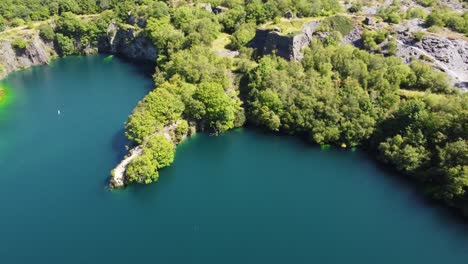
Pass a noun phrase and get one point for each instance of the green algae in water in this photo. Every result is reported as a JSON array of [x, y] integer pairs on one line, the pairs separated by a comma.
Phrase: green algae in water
[[325, 146], [108, 58], [5, 95]]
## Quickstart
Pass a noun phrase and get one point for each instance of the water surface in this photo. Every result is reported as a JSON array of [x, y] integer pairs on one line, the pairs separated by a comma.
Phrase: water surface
[[243, 197]]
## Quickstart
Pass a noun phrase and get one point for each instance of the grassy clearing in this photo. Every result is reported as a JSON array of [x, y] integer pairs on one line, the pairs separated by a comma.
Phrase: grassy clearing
[[221, 42], [409, 94], [289, 26]]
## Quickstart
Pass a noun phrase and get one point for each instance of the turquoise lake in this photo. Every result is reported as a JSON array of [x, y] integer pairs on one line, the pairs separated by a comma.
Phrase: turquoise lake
[[243, 197]]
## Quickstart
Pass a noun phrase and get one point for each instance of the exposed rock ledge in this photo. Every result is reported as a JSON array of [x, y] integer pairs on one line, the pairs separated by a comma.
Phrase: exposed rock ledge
[[118, 179], [448, 55], [269, 41]]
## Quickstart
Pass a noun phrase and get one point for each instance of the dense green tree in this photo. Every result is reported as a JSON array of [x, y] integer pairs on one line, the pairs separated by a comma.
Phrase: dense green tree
[[217, 106], [46, 32], [232, 19], [19, 44], [65, 45], [158, 109], [243, 35], [142, 169]]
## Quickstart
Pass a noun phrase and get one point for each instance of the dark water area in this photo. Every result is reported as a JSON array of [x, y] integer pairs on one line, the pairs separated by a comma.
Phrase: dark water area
[[243, 197]]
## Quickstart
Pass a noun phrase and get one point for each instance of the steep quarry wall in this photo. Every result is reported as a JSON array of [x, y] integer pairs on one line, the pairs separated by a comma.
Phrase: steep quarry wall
[[37, 52], [126, 42], [446, 54], [269, 41]]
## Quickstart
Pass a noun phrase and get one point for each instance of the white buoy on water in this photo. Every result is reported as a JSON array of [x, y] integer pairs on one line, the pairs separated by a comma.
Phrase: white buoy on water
[[58, 112]]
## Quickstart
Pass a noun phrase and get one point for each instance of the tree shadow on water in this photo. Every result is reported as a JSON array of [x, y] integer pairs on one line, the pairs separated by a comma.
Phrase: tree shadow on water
[[119, 145], [443, 214]]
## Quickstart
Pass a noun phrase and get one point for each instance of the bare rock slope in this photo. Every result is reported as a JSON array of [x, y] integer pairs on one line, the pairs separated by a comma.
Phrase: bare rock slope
[[37, 52]]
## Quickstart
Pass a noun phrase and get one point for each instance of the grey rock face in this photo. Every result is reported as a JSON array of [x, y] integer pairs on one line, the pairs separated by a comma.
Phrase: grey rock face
[[269, 41], [208, 8], [125, 42], [354, 38], [303, 39], [448, 55], [370, 21], [128, 43], [37, 52]]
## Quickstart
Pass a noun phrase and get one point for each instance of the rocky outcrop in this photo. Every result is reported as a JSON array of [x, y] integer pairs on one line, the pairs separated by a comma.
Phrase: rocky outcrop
[[118, 178], [269, 41], [128, 42], [37, 52], [354, 37], [118, 174], [446, 54], [303, 39]]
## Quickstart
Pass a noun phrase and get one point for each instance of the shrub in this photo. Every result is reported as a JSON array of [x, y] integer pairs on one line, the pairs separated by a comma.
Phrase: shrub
[[243, 35], [389, 14], [434, 29], [418, 35], [2, 23], [333, 39], [392, 47], [448, 18], [19, 44], [180, 131], [427, 3], [17, 22], [65, 45], [46, 33], [416, 12], [355, 7], [341, 24]]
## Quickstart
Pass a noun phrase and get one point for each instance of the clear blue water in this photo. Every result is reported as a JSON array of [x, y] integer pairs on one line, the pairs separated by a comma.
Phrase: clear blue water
[[243, 197]]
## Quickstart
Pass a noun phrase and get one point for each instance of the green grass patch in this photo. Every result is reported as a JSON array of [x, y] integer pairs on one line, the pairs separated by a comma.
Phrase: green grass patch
[[289, 26], [342, 24], [5, 95], [221, 42], [410, 94], [109, 58]]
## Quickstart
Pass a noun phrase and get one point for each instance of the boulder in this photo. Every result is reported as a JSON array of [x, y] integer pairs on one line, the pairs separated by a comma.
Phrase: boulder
[[288, 15], [370, 21]]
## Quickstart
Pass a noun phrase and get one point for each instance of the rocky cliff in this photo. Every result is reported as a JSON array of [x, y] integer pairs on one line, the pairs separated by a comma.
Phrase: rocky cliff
[[126, 42], [269, 41], [37, 52], [446, 54]]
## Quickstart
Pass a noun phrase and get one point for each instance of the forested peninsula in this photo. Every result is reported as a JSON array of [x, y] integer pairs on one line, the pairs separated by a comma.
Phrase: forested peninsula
[[350, 74]]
